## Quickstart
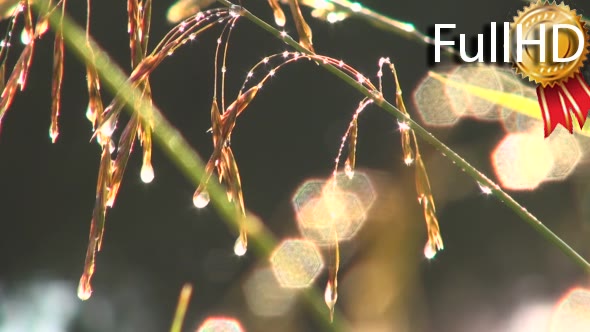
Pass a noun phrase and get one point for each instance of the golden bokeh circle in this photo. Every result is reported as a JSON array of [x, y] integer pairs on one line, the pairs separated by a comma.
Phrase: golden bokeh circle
[[548, 73]]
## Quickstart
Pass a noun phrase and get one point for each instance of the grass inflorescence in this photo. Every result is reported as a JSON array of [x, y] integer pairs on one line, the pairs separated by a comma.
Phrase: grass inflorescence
[[147, 125]]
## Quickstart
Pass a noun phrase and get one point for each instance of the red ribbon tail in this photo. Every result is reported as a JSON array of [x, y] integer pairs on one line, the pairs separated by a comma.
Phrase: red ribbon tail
[[577, 93], [553, 109], [558, 101]]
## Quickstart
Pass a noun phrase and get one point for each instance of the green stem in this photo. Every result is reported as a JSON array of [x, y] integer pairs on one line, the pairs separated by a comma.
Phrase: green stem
[[522, 212], [386, 23], [178, 149]]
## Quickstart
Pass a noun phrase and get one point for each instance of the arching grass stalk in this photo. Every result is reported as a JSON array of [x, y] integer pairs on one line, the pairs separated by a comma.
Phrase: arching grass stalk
[[378, 20], [173, 143], [479, 177]]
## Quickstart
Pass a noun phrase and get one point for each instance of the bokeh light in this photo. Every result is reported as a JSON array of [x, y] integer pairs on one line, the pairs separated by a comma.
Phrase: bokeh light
[[265, 296], [359, 184], [467, 104], [566, 153], [220, 324], [333, 210], [433, 105], [531, 316], [573, 312], [513, 121], [479, 91], [296, 263], [334, 216], [522, 161], [41, 305]]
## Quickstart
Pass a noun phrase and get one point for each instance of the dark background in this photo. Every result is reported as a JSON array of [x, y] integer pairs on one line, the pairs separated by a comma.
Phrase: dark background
[[492, 266]]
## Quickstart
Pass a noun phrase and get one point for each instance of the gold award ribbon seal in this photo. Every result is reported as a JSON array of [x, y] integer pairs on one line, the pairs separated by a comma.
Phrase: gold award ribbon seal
[[553, 46]]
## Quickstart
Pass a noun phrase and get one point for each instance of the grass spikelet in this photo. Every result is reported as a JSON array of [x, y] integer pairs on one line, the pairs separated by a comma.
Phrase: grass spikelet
[[133, 28], [228, 118], [331, 292], [303, 29], [350, 163], [425, 198], [277, 12], [145, 11], [20, 70], [18, 76], [234, 182], [96, 225], [56, 83], [215, 124], [16, 79], [351, 137], [124, 149], [145, 135], [95, 109]]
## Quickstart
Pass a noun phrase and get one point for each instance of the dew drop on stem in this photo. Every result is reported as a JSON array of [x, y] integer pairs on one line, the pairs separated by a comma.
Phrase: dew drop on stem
[[240, 247], [107, 128], [330, 297], [348, 170], [235, 10], [429, 250], [90, 115], [84, 289], [147, 173], [201, 199]]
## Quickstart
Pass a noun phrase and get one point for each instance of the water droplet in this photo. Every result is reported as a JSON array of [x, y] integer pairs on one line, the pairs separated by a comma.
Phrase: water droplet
[[240, 248], [235, 10], [25, 38], [147, 173], [429, 250], [84, 291], [348, 170], [90, 115], [330, 296], [107, 128], [408, 160], [53, 133], [485, 189], [200, 200], [42, 27]]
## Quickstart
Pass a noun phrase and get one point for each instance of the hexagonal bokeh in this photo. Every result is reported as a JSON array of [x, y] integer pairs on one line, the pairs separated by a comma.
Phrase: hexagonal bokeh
[[359, 184], [333, 210], [566, 153], [220, 324], [522, 161], [296, 263], [467, 104], [335, 216], [514, 121], [309, 190], [265, 296], [434, 107], [573, 312]]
